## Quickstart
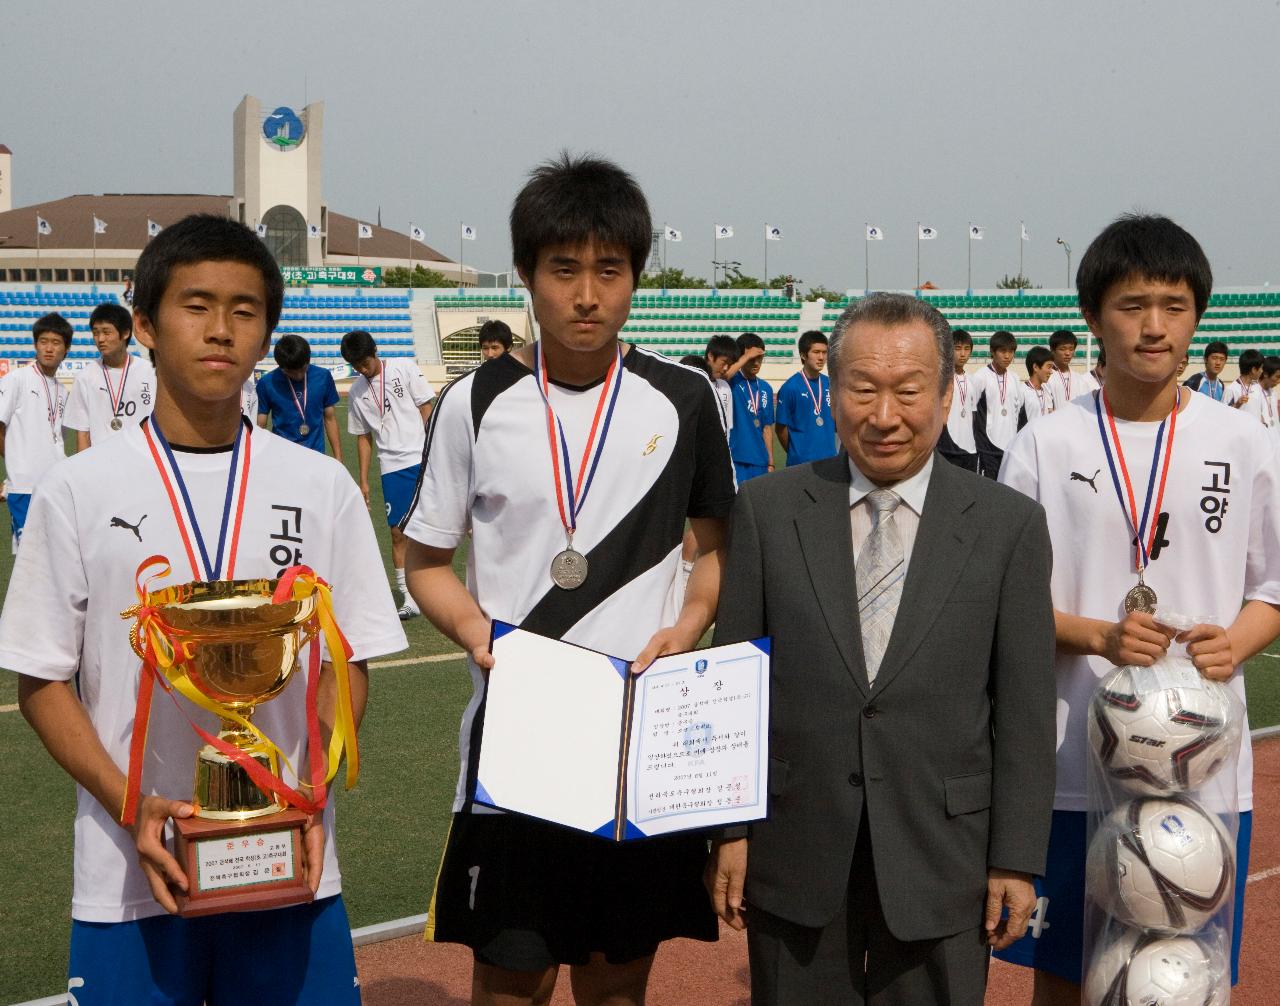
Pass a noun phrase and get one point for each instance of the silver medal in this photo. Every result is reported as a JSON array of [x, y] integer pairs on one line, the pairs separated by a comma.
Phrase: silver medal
[[569, 569], [116, 424], [304, 429], [757, 422], [1004, 412], [1140, 598], [818, 420]]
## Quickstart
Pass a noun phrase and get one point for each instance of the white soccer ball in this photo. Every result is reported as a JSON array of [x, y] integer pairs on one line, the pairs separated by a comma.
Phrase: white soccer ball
[[1165, 865], [1167, 741], [1138, 970]]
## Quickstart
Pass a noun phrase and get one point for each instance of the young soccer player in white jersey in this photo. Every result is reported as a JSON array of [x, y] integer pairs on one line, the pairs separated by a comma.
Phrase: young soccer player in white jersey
[[32, 403], [956, 443], [120, 389], [1038, 399], [1064, 383], [1242, 388], [1196, 521], [218, 498], [580, 547], [1262, 403], [388, 407], [998, 397], [249, 399], [722, 357]]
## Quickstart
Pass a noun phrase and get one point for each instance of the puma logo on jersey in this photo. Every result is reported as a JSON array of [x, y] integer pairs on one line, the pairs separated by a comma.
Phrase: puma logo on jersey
[[651, 446], [121, 522], [1077, 477]]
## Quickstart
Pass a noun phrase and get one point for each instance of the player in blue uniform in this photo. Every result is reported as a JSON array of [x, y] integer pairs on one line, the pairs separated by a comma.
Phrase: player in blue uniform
[[751, 435], [805, 427]]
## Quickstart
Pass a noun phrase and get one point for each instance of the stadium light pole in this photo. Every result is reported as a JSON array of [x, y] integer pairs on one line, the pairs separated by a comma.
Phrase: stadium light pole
[[1067, 248]]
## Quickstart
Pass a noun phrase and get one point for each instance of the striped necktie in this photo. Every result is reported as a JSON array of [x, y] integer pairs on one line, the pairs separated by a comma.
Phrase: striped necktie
[[879, 574]]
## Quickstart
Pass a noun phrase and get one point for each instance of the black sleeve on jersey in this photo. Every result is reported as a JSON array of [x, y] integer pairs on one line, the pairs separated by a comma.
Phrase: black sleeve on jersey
[[989, 454], [490, 380], [712, 492], [1022, 416], [948, 449], [1193, 382]]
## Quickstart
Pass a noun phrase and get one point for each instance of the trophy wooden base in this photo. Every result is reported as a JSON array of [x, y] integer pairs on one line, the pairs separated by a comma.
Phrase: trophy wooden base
[[241, 866]]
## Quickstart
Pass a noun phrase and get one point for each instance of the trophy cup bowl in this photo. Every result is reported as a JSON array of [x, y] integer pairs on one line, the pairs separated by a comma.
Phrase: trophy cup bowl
[[244, 650]]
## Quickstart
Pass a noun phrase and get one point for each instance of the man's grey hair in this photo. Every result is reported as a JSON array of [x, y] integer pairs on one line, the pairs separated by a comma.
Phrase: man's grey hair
[[897, 309]]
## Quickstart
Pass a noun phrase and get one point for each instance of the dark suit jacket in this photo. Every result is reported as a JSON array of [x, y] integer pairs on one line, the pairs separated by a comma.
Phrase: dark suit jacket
[[951, 753]]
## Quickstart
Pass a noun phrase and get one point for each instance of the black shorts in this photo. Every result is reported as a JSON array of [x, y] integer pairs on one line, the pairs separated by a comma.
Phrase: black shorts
[[526, 895]]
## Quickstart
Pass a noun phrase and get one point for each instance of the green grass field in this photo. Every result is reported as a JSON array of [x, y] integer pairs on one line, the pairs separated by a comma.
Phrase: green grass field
[[390, 829]]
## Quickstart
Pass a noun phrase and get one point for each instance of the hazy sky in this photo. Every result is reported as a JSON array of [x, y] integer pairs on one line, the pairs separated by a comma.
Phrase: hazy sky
[[814, 117]]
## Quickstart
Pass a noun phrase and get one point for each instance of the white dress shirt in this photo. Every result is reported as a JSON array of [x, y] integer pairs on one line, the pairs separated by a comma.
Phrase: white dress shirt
[[912, 491]]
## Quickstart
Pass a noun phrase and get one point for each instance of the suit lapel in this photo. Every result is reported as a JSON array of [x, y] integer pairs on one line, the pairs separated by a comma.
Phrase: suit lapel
[[943, 544], [826, 543]]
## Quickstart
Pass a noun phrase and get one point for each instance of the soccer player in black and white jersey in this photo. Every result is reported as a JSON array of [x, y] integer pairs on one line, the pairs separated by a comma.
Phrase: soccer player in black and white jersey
[[388, 407], [956, 443], [119, 389], [528, 897], [1144, 285], [998, 396], [1243, 387], [1038, 398], [1262, 403], [208, 296], [1064, 383]]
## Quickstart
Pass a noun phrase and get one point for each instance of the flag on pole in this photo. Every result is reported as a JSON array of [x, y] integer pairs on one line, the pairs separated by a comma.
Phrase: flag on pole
[[928, 233], [772, 233], [976, 233], [468, 232], [313, 230], [42, 226], [1026, 234], [874, 233], [723, 231], [671, 234], [417, 233], [364, 232], [99, 226], [262, 230], [153, 228]]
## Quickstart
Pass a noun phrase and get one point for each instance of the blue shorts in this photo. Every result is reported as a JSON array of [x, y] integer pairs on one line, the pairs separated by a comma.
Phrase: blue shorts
[[747, 472], [397, 492], [1055, 937], [297, 955], [18, 504]]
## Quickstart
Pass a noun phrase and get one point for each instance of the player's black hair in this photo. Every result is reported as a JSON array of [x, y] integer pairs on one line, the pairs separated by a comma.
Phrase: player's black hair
[[203, 237], [1250, 359], [1270, 365], [810, 339], [55, 324], [574, 199], [1002, 340], [697, 362], [749, 340], [1102, 356], [292, 351], [1063, 337], [114, 315], [494, 330], [1145, 245], [1037, 356], [357, 346], [961, 336], [1215, 347], [723, 345]]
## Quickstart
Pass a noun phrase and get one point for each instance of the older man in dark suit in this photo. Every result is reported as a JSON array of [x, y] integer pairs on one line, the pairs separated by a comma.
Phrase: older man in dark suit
[[912, 735]]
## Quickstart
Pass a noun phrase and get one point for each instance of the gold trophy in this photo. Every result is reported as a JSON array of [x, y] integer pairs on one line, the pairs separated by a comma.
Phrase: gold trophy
[[233, 646]]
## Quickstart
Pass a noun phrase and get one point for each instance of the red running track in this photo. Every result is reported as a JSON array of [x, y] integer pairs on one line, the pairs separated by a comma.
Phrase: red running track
[[411, 971]]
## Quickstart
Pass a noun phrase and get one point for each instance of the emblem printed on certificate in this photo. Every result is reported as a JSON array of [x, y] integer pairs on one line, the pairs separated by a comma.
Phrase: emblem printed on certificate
[[573, 737]]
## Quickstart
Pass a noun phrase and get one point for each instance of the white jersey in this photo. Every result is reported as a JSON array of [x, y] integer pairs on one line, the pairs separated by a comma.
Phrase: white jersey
[[724, 390], [1237, 390], [90, 408], [94, 520], [488, 471], [1036, 402], [964, 399], [1215, 540], [249, 400], [1066, 386], [1262, 406], [395, 422], [998, 399], [32, 435]]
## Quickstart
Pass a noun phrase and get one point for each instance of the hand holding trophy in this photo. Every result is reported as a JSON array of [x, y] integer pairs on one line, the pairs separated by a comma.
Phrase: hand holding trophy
[[228, 646]]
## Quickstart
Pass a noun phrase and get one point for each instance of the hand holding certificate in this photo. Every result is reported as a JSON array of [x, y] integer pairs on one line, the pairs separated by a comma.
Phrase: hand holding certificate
[[571, 736]]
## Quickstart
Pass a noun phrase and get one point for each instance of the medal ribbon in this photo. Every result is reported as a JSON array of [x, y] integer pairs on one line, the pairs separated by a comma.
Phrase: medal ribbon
[[116, 397], [212, 571], [382, 391], [577, 497], [50, 402], [753, 393], [1001, 379], [301, 405], [1139, 528], [818, 398], [962, 386]]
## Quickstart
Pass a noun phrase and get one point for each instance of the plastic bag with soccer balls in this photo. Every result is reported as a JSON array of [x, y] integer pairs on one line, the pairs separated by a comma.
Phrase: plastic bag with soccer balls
[[1163, 821]]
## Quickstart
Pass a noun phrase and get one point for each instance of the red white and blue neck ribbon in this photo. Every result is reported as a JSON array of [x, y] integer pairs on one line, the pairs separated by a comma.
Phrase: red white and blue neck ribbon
[[1120, 470], [571, 493], [302, 405], [51, 401], [116, 396], [184, 513], [1000, 383], [382, 391], [753, 394], [818, 398]]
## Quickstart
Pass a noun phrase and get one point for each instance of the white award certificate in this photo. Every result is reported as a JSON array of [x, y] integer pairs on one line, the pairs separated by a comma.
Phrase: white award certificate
[[572, 736]]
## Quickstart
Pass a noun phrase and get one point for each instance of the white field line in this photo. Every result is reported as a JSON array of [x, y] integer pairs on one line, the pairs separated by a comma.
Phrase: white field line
[[1253, 878]]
